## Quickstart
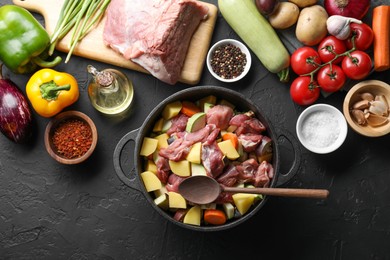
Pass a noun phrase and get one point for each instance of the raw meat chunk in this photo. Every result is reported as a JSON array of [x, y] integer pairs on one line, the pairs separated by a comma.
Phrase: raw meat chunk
[[229, 176], [153, 33], [219, 115], [212, 160]]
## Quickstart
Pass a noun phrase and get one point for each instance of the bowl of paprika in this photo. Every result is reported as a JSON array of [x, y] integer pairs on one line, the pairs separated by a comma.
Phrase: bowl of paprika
[[70, 137]]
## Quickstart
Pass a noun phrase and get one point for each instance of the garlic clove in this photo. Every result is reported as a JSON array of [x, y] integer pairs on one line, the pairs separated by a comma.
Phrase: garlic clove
[[367, 96], [338, 26], [358, 116], [366, 113], [375, 120], [362, 104], [383, 99], [378, 108]]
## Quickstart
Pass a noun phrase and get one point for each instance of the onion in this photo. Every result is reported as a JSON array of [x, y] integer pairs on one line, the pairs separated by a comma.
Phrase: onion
[[349, 8]]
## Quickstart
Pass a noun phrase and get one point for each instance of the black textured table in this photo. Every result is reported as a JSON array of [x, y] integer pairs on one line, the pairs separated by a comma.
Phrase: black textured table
[[54, 211]]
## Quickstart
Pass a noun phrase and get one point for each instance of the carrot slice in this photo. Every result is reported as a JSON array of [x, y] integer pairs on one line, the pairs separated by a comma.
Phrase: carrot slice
[[189, 108], [381, 29], [232, 137], [214, 216]]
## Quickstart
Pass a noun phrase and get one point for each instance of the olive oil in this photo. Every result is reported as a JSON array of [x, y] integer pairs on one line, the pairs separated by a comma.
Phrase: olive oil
[[110, 91]]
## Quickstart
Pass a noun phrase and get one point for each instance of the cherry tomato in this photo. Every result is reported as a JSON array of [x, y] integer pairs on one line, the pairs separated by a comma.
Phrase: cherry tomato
[[331, 78], [304, 60], [364, 36], [303, 91], [329, 47], [357, 66]]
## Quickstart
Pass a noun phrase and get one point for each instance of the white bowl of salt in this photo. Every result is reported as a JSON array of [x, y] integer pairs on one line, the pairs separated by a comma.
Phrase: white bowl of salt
[[321, 128]]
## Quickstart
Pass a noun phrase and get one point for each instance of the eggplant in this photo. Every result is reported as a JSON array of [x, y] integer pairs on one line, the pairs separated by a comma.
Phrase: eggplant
[[264, 150], [15, 112]]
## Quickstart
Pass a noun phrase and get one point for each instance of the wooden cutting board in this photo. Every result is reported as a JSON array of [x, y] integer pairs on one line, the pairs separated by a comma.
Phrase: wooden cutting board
[[92, 46]]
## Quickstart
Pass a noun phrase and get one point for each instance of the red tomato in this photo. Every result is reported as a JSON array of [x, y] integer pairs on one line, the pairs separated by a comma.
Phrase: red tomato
[[331, 78], [304, 60], [329, 47], [357, 66], [303, 91], [363, 34]]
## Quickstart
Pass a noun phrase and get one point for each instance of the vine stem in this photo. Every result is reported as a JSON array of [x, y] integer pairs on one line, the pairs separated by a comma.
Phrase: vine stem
[[330, 63]]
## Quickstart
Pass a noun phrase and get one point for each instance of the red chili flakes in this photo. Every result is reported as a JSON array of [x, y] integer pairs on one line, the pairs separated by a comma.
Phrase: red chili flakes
[[72, 138]]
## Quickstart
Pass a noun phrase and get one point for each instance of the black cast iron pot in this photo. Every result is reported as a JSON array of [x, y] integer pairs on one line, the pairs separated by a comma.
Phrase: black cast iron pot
[[196, 93]]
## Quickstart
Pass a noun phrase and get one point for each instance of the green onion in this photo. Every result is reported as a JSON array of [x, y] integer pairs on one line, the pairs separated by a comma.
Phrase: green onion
[[65, 22], [79, 15]]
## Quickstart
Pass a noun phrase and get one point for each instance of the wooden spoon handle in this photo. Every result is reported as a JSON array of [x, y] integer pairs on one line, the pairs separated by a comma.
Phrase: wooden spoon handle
[[284, 192]]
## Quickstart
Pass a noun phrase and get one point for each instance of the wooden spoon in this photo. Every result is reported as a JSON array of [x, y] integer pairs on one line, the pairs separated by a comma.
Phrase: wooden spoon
[[202, 189]]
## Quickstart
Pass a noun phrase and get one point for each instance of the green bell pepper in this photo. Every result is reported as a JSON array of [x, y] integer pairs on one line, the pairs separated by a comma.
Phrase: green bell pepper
[[23, 41]]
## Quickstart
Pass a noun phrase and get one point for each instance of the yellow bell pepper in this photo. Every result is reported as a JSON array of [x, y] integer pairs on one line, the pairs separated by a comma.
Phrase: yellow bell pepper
[[50, 91]]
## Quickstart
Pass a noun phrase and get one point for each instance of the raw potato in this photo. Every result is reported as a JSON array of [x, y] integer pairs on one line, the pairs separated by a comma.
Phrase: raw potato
[[193, 216], [303, 3], [151, 181], [285, 15], [195, 153], [311, 25], [243, 201], [180, 168], [227, 148], [150, 166], [171, 110], [176, 201], [149, 145], [162, 141]]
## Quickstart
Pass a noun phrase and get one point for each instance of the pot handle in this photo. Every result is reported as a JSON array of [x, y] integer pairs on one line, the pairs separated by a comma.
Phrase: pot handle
[[131, 180], [284, 178]]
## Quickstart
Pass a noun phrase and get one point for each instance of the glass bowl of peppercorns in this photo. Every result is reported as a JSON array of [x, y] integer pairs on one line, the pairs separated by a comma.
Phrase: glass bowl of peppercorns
[[70, 137], [228, 60]]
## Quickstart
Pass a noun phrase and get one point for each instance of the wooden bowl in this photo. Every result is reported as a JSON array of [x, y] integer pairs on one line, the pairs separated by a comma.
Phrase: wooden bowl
[[58, 121], [375, 87]]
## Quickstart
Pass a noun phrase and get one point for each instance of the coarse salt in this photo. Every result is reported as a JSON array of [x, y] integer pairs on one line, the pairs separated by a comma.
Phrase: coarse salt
[[320, 129]]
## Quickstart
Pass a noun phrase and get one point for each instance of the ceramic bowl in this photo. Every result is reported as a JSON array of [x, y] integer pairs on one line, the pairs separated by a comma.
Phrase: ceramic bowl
[[321, 128], [375, 87], [243, 49], [54, 125]]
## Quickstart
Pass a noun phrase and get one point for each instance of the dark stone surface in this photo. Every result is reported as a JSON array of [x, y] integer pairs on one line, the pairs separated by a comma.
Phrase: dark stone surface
[[54, 211]]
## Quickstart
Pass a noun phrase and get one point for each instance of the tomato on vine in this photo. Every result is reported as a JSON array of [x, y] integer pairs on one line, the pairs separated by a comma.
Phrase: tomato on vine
[[363, 36], [357, 65], [331, 78], [303, 91], [304, 60], [329, 47]]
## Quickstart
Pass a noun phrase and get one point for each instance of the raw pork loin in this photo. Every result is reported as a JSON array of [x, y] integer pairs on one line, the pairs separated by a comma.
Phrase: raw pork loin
[[153, 33]]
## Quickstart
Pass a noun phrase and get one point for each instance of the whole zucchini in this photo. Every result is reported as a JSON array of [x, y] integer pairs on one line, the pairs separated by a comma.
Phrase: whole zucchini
[[258, 34]]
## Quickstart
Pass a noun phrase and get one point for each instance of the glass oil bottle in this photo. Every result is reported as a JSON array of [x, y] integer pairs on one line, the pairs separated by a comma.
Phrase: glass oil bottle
[[110, 91]]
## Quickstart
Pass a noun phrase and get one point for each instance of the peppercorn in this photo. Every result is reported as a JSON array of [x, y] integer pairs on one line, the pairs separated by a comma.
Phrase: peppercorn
[[228, 61]]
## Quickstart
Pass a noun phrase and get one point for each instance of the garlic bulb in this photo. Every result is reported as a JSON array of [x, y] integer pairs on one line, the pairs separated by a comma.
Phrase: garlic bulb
[[338, 26]]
